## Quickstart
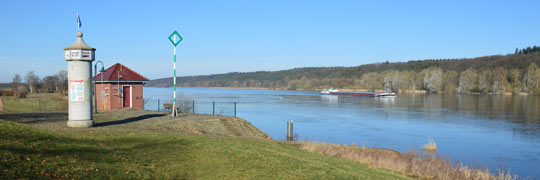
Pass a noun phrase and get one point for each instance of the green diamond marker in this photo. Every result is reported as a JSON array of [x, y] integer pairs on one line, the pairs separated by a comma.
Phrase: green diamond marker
[[177, 39]]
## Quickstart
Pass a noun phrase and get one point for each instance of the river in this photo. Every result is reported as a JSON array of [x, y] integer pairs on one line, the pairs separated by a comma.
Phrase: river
[[487, 131]]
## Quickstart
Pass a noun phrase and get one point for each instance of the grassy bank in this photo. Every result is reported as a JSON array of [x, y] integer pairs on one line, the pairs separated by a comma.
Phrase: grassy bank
[[132, 144], [33, 153]]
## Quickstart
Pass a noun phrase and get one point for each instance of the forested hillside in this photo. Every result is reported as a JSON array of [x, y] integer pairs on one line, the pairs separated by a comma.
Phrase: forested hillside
[[515, 73]]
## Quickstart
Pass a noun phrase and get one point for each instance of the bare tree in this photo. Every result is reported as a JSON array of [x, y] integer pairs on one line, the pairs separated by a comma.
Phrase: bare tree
[[484, 81], [415, 80], [16, 82], [531, 78], [342, 82], [62, 81], [433, 80], [32, 80], [372, 81], [467, 80], [50, 83], [514, 80], [450, 81], [499, 82], [293, 84], [394, 80], [388, 81]]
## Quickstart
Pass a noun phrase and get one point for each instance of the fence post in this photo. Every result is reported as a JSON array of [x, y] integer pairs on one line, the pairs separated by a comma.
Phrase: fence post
[[158, 105], [213, 108], [39, 104], [193, 106], [234, 109]]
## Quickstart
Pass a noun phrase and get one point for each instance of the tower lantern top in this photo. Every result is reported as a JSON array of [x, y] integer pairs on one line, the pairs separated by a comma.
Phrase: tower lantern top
[[79, 43], [79, 50]]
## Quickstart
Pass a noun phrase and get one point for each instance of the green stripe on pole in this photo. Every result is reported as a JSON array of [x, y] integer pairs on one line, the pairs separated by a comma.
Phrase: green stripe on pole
[[175, 77], [175, 39]]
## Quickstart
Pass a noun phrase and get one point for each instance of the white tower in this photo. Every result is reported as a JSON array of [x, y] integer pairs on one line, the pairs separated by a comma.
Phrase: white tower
[[79, 57]]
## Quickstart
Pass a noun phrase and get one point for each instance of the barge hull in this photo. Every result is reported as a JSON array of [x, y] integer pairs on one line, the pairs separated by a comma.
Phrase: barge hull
[[353, 93]]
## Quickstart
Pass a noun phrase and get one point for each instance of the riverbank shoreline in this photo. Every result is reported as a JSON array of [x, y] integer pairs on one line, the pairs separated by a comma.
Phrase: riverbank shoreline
[[413, 164], [146, 144], [408, 91]]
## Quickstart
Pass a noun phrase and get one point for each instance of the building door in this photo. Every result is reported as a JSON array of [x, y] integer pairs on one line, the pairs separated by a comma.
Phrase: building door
[[126, 96]]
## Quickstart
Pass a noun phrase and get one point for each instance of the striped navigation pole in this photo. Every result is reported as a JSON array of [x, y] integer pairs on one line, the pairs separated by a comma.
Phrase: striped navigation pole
[[175, 42]]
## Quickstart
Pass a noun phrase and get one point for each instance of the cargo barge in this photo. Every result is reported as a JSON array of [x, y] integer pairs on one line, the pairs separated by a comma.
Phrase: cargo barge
[[334, 91]]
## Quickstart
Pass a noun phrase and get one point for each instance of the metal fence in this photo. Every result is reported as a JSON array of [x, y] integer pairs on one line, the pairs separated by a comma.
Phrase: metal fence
[[12, 104], [192, 106]]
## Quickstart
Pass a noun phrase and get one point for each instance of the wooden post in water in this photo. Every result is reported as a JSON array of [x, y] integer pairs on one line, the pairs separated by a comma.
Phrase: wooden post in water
[[290, 131]]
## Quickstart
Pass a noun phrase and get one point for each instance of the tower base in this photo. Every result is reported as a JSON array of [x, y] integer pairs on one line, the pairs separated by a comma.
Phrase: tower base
[[80, 123]]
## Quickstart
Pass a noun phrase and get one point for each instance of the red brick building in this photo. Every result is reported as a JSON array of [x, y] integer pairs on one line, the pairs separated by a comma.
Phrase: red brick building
[[119, 87]]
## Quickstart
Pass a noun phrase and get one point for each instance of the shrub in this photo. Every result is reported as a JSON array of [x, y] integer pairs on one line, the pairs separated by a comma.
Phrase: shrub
[[21, 92], [431, 146], [6, 92], [44, 91]]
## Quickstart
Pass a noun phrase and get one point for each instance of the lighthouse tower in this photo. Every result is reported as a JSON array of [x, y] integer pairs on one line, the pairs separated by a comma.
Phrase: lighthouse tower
[[79, 57]]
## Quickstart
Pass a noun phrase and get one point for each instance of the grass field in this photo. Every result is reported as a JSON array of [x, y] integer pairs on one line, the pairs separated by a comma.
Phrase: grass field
[[32, 153], [44, 102], [132, 144]]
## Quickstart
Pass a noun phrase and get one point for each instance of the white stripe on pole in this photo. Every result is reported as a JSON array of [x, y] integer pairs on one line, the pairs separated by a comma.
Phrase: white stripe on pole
[[174, 80]]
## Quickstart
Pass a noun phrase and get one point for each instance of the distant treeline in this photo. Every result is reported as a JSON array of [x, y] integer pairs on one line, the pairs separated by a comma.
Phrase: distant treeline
[[33, 84], [5, 85], [515, 73], [528, 50]]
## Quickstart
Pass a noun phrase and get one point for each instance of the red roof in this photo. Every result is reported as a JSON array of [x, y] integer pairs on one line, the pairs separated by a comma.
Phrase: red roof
[[119, 71]]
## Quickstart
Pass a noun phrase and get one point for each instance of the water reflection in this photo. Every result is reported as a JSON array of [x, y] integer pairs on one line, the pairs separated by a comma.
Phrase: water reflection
[[387, 101], [518, 109], [330, 99]]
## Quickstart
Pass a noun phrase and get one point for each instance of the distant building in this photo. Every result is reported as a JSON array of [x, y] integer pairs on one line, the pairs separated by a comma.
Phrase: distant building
[[119, 87]]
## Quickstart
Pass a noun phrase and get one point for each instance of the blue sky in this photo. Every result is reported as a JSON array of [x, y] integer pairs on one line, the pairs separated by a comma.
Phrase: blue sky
[[244, 36]]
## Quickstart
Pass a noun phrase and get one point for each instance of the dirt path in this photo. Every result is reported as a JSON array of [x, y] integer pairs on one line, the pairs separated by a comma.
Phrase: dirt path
[[1, 104]]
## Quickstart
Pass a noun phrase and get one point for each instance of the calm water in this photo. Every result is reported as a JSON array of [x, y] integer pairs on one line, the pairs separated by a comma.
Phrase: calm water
[[480, 131]]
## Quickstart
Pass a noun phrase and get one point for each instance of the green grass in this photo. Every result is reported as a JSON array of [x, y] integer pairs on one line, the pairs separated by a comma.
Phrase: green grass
[[44, 102], [131, 144], [31, 153]]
